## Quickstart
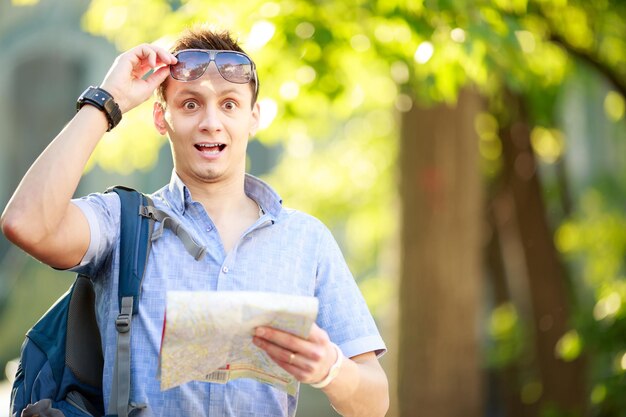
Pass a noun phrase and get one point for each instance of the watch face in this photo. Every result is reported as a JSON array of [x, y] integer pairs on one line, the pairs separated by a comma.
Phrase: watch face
[[99, 96], [102, 100]]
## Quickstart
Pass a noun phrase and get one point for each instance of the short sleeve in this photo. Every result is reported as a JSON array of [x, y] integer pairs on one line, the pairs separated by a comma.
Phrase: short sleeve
[[103, 215], [343, 312]]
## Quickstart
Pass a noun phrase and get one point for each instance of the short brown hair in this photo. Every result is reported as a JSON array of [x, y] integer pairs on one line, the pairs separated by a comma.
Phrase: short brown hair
[[203, 37]]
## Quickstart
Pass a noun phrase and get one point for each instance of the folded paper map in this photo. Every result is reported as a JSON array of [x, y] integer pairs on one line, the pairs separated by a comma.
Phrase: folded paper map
[[207, 336]]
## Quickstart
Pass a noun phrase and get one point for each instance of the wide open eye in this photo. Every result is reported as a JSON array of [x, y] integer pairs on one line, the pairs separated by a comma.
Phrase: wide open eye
[[190, 105]]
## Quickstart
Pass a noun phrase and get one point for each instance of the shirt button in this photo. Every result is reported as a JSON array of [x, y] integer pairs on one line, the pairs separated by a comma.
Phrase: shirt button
[[225, 269]]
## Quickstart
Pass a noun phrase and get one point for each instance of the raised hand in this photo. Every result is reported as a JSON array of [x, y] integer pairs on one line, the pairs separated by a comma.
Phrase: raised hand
[[125, 81]]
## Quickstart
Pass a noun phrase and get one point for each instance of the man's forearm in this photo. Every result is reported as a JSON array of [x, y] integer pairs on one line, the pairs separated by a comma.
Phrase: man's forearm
[[360, 389]]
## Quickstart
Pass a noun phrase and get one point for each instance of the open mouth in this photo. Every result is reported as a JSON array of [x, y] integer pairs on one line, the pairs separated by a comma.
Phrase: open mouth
[[210, 148]]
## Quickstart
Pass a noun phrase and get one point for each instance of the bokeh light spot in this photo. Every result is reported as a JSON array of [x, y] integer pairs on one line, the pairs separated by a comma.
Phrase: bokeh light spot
[[305, 30], [598, 394], [399, 72], [403, 103], [269, 9], [269, 110], [569, 346], [531, 392], [457, 35], [424, 52], [305, 74], [289, 90], [614, 106], [548, 144], [260, 34], [360, 43], [115, 17], [607, 307], [526, 41]]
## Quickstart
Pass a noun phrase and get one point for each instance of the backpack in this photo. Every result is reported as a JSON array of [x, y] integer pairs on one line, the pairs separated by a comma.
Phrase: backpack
[[61, 361]]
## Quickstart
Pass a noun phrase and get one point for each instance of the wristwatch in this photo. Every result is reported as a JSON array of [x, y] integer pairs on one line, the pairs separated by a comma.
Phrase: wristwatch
[[333, 371], [103, 101]]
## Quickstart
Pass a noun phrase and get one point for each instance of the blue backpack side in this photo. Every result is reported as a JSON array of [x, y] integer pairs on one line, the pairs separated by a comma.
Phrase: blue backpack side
[[61, 358]]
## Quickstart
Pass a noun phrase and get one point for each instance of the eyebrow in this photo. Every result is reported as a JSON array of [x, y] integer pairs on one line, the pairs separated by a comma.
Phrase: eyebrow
[[186, 92], [196, 93]]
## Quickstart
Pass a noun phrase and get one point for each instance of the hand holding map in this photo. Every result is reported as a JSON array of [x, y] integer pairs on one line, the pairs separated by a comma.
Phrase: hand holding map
[[207, 336]]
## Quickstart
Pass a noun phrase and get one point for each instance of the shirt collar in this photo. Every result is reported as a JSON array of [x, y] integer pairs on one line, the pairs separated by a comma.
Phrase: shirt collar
[[179, 195]]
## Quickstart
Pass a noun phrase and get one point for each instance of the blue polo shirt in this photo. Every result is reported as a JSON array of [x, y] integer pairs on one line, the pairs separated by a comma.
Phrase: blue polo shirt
[[285, 251]]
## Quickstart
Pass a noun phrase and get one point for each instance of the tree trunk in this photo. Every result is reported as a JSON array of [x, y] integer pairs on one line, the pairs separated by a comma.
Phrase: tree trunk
[[440, 290], [562, 384]]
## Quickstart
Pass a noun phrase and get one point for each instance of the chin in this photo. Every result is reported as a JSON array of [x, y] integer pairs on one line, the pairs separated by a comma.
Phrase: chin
[[210, 176]]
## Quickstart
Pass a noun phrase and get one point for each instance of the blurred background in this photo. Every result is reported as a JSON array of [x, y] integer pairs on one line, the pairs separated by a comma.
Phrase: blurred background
[[469, 156]]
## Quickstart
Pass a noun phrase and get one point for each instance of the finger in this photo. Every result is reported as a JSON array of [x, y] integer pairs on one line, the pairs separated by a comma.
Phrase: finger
[[164, 57], [147, 54], [302, 370], [153, 61], [292, 362], [139, 53], [297, 360], [286, 340], [276, 352], [156, 55], [313, 352], [140, 70]]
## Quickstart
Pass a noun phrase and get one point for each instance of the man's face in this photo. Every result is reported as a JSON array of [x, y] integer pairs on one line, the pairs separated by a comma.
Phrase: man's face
[[208, 121]]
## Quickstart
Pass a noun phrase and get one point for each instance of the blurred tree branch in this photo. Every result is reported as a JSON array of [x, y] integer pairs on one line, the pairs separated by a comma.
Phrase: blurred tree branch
[[586, 56]]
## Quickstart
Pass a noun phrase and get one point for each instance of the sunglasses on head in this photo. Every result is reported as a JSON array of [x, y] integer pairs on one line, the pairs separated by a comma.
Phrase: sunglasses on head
[[233, 66]]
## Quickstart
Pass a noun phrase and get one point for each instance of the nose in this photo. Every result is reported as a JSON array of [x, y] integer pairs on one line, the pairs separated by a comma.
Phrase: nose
[[211, 121]]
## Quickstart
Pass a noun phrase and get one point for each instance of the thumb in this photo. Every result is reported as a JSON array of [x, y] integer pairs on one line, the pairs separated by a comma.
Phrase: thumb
[[157, 77]]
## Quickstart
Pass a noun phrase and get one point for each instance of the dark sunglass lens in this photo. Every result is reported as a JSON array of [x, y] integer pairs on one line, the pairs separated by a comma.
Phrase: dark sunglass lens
[[234, 67], [190, 66]]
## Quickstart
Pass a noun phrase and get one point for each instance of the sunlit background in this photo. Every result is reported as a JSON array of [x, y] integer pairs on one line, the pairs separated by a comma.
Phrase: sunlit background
[[469, 156]]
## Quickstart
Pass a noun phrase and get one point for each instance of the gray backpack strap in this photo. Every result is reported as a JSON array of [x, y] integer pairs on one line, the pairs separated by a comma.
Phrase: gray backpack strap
[[166, 222], [120, 388]]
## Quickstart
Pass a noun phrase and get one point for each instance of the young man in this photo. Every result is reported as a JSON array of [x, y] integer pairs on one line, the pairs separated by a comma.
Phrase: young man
[[207, 107]]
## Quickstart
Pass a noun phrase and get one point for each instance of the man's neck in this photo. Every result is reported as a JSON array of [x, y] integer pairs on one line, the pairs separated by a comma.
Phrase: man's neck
[[228, 206]]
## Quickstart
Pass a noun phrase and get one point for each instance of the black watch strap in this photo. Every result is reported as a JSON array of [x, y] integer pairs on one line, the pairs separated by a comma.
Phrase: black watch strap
[[103, 101]]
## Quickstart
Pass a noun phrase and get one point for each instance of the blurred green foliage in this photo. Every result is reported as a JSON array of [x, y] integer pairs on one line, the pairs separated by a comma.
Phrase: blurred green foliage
[[594, 239], [507, 336]]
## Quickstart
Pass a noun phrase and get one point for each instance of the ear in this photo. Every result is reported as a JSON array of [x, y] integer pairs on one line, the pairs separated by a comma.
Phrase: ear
[[158, 116], [256, 118]]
